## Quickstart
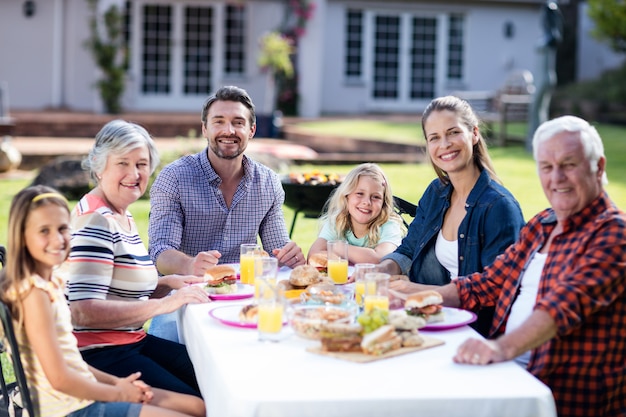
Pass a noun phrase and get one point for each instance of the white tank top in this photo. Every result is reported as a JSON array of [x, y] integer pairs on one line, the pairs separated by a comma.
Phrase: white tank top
[[524, 304], [447, 252]]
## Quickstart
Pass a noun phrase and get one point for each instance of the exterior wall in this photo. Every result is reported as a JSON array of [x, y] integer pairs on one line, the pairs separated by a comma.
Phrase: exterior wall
[[44, 62], [489, 56]]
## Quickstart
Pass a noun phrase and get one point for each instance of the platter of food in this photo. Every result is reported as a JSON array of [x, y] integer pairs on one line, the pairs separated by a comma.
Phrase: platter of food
[[361, 357], [452, 318]]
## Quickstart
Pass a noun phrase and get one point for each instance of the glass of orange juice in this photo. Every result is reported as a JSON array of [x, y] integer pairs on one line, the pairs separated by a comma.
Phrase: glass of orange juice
[[247, 253], [337, 261], [361, 287], [377, 284], [271, 311]]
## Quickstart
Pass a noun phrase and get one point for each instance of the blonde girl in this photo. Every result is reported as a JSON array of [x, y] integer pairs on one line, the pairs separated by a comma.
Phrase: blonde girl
[[360, 211], [60, 381]]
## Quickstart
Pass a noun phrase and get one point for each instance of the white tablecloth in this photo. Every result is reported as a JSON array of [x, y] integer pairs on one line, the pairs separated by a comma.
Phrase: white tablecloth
[[242, 377]]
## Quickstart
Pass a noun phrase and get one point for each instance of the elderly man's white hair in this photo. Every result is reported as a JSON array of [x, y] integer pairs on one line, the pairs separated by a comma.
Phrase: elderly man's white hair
[[589, 137]]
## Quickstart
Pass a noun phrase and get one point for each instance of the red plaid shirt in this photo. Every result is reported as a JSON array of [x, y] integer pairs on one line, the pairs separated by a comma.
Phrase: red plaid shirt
[[583, 288]]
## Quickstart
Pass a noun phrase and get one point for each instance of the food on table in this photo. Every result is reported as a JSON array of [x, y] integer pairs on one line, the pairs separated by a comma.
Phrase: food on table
[[249, 313], [410, 338], [323, 293], [341, 337], [304, 275], [220, 279], [307, 320], [314, 177], [406, 326], [401, 320], [373, 319], [382, 340], [425, 304], [320, 261]]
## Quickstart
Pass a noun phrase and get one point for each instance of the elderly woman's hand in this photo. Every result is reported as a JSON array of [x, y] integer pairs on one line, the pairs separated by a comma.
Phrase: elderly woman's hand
[[176, 282], [192, 294]]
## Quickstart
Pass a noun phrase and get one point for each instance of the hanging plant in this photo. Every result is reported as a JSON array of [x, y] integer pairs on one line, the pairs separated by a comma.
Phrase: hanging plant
[[108, 48]]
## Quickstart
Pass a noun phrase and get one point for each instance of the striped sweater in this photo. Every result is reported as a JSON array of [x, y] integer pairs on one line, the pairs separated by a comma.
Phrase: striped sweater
[[107, 262]]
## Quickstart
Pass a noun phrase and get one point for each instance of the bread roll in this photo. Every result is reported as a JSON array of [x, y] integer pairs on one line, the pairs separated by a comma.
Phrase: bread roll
[[304, 275]]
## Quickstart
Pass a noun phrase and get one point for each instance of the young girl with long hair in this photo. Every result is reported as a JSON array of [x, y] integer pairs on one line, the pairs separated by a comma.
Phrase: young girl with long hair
[[360, 211], [60, 381]]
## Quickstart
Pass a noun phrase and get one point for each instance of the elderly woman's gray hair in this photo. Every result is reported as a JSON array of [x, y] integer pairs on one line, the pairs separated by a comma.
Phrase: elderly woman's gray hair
[[589, 137], [118, 137]]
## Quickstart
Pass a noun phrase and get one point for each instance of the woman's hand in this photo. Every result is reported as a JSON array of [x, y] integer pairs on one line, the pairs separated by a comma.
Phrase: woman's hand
[[193, 294], [176, 282]]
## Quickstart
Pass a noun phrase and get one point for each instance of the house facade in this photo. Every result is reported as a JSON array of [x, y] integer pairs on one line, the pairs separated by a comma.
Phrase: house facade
[[355, 56]]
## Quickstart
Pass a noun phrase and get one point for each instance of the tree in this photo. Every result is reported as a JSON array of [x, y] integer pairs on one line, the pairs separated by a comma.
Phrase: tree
[[108, 48], [609, 17]]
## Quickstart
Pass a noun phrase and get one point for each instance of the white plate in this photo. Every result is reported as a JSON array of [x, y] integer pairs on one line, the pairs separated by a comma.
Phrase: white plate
[[243, 291], [453, 318]]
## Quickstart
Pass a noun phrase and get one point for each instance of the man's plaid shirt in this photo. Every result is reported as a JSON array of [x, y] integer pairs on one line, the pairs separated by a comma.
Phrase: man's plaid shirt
[[583, 288]]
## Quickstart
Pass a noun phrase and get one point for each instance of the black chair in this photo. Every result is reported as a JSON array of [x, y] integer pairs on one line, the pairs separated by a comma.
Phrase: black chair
[[18, 390], [404, 207]]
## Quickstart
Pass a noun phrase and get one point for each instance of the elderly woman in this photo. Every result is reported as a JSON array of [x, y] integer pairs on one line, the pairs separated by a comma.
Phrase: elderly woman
[[113, 286]]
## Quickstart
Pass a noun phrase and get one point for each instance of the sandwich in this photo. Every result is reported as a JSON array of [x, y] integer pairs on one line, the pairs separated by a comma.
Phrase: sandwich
[[407, 327], [425, 304], [380, 341], [304, 275], [320, 261], [220, 279], [341, 337]]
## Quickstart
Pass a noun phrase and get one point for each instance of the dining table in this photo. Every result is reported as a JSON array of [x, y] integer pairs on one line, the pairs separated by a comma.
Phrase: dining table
[[240, 376]]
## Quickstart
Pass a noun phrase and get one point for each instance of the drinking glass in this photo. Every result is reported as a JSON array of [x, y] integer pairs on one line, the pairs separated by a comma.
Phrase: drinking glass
[[265, 269], [271, 311], [380, 298], [361, 287], [338, 261], [248, 253]]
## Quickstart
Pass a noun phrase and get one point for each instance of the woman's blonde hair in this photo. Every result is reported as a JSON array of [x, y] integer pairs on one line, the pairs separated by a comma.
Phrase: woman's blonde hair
[[20, 264], [467, 116], [336, 208]]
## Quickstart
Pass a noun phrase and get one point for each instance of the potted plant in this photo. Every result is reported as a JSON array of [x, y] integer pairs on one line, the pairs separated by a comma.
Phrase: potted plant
[[275, 61]]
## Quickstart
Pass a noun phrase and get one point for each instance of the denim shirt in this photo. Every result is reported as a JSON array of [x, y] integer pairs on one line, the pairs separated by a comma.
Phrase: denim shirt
[[492, 222]]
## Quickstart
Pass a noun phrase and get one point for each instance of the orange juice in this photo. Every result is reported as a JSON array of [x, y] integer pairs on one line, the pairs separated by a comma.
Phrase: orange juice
[[338, 270], [378, 301], [270, 317], [246, 265], [363, 288]]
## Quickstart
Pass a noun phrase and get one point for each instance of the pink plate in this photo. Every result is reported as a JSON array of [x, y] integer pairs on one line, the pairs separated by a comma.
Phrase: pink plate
[[229, 315], [454, 317], [243, 291]]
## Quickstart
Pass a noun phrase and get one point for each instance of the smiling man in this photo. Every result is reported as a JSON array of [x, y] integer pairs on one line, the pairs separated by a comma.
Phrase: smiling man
[[204, 206], [560, 290]]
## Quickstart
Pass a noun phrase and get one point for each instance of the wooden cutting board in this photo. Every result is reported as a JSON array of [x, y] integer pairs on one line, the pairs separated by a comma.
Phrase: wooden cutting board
[[363, 358]]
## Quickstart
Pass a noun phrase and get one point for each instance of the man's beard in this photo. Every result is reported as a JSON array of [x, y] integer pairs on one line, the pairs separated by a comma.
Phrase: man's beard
[[215, 148]]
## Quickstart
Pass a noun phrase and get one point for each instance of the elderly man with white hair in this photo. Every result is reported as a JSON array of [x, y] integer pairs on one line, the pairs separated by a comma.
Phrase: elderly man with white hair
[[560, 290]]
